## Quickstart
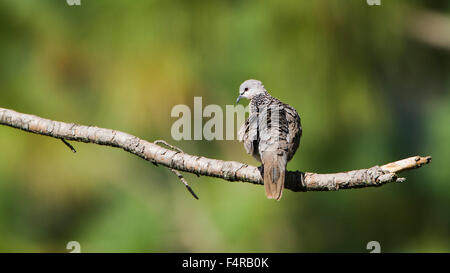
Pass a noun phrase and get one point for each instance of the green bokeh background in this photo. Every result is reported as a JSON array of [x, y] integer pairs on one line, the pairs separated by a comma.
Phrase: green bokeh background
[[367, 90]]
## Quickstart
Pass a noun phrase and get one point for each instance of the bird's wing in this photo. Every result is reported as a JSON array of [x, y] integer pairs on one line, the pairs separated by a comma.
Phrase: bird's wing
[[295, 130], [295, 127], [248, 134]]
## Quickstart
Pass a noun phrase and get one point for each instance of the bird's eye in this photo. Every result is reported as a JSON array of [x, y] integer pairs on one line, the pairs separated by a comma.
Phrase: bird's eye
[[246, 89]]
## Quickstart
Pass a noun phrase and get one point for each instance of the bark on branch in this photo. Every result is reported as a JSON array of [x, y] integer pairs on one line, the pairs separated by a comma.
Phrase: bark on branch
[[228, 170]]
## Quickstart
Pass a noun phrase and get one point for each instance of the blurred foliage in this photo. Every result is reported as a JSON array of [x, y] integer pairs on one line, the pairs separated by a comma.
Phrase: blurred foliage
[[367, 94]]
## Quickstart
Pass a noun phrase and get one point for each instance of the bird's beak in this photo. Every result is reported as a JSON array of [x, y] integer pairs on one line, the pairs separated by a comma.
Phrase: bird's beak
[[238, 99]]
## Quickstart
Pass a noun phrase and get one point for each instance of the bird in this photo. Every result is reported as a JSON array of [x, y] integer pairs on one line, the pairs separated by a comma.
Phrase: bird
[[271, 134]]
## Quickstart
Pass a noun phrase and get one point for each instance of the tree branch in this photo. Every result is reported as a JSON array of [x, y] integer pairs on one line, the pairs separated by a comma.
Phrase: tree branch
[[228, 170]]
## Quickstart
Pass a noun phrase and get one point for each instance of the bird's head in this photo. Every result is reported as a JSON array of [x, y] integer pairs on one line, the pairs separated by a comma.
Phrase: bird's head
[[249, 89]]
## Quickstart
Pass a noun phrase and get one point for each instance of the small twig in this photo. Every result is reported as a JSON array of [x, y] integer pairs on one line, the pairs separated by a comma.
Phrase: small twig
[[160, 141], [406, 164], [177, 173], [180, 176], [69, 145]]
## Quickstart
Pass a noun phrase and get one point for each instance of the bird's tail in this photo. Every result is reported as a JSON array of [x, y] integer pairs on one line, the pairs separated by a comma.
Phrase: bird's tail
[[274, 163]]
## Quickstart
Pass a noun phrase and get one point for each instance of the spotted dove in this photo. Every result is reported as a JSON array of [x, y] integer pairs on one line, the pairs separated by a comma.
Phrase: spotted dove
[[271, 134]]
